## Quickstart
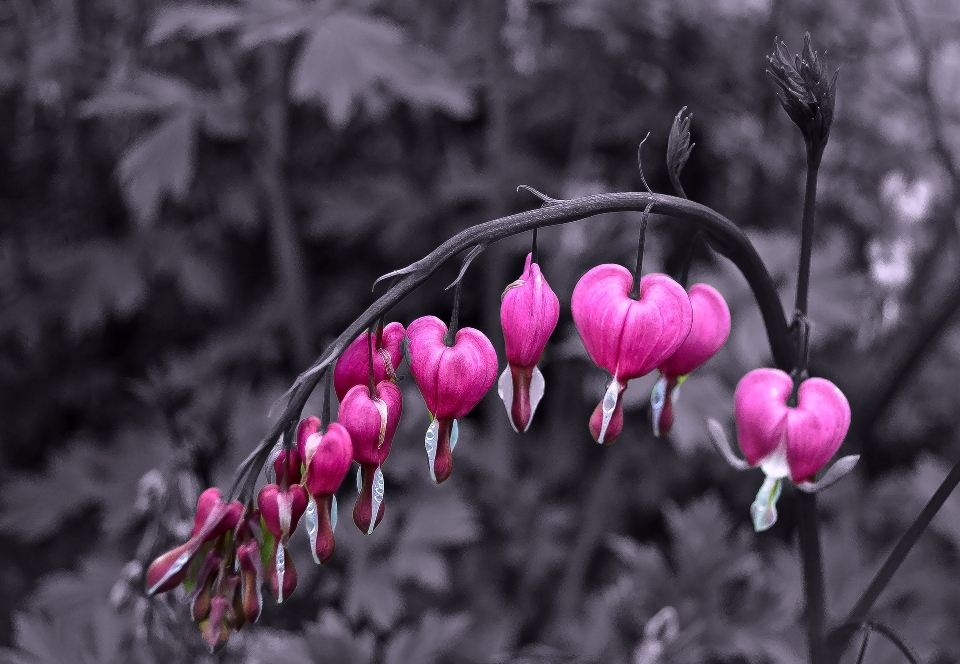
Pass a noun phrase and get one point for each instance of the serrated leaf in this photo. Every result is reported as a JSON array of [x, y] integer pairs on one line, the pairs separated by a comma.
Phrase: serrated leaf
[[423, 566], [435, 636], [351, 59], [143, 92], [440, 523], [276, 21], [159, 163], [193, 21]]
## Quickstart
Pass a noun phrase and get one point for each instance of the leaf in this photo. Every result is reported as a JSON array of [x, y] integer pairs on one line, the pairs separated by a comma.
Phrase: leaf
[[440, 523], [351, 59], [332, 637], [192, 22], [160, 163], [143, 92], [276, 21], [435, 636]]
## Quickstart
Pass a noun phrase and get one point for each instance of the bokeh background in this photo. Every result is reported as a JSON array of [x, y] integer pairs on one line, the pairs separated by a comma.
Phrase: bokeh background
[[196, 198]]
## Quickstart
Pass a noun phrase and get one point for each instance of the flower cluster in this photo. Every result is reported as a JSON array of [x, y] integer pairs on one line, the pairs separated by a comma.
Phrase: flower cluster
[[629, 329]]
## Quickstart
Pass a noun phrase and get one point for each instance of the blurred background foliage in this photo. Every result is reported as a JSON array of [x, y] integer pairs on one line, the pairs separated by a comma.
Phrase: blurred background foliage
[[195, 198]]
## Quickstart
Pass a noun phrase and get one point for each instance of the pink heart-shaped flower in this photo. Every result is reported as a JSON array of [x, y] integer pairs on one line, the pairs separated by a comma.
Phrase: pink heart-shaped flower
[[796, 441], [708, 331], [353, 366], [627, 337]]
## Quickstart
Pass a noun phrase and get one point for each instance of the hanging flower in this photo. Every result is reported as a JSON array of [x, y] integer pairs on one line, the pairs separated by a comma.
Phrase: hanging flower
[[353, 367], [629, 338], [452, 380], [328, 455], [214, 517], [280, 511], [788, 441], [708, 332], [371, 421], [529, 311]]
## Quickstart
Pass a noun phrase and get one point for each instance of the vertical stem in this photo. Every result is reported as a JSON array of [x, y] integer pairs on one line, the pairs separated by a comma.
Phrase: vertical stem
[[635, 290], [809, 527], [450, 338], [806, 228]]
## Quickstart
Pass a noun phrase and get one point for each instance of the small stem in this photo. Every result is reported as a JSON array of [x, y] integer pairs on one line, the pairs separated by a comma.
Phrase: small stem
[[859, 612], [635, 291], [809, 527], [450, 338], [863, 648], [373, 378], [688, 260], [534, 254], [325, 409], [814, 155]]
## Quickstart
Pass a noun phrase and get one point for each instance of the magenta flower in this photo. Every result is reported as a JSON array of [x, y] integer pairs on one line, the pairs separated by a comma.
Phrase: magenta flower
[[371, 421], [709, 331], [280, 511], [214, 518], [787, 441], [629, 338], [452, 380], [328, 455], [529, 311], [353, 367]]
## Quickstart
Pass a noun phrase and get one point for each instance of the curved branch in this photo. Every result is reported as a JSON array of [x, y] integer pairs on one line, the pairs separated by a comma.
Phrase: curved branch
[[726, 238], [875, 626]]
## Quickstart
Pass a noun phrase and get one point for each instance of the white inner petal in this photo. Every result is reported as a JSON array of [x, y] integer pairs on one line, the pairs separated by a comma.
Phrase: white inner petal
[[313, 526], [430, 442], [376, 498], [608, 405]]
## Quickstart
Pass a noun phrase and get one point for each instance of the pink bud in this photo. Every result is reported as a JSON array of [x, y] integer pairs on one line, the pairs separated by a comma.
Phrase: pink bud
[[281, 509], [332, 453], [330, 457], [452, 380], [371, 422], [251, 578], [795, 441], [353, 367], [288, 466], [529, 312], [710, 329], [306, 427], [214, 517], [627, 337]]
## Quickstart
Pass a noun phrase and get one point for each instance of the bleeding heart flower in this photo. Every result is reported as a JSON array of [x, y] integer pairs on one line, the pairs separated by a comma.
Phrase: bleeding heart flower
[[371, 421], [329, 456], [353, 367], [787, 441], [710, 329], [529, 311], [214, 517], [280, 512], [452, 380], [627, 337]]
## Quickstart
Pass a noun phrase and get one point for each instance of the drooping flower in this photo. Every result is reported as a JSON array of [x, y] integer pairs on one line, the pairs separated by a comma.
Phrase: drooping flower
[[787, 441], [280, 511], [452, 380], [328, 455], [371, 421], [529, 311], [627, 337], [353, 367], [709, 331], [214, 517]]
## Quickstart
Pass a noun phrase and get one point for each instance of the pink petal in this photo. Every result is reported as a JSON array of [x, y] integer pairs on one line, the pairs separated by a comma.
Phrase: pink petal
[[331, 460], [360, 415], [710, 329], [816, 428], [353, 367], [760, 409]]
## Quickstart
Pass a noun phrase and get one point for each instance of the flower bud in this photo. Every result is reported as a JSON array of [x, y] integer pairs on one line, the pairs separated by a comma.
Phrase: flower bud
[[330, 456], [627, 337], [452, 380], [371, 422], [280, 511], [306, 428], [353, 367], [529, 312]]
